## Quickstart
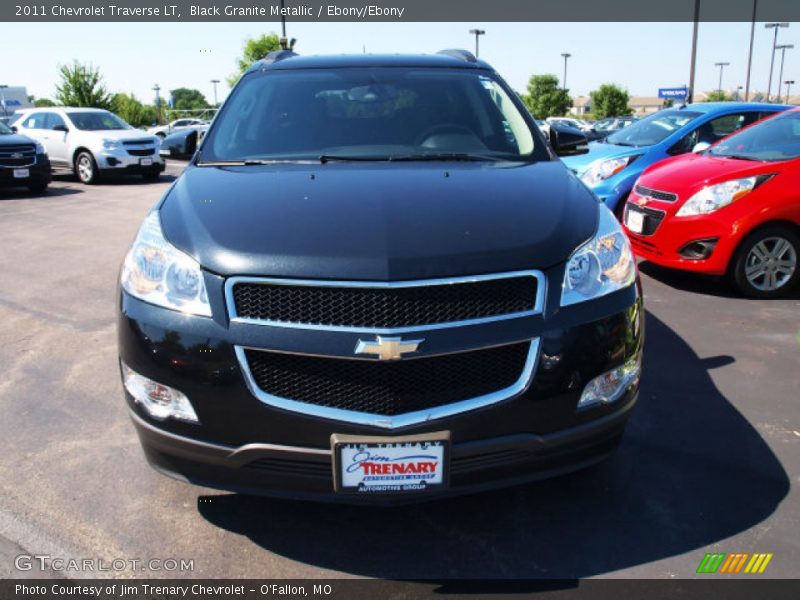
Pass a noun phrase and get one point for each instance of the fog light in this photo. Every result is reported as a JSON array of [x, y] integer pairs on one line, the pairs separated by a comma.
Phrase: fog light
[[160, 401], [610, 386]]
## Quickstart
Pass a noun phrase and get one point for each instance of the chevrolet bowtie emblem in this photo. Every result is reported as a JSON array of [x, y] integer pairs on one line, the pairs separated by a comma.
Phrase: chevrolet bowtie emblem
[[387, 348], [642, 201]]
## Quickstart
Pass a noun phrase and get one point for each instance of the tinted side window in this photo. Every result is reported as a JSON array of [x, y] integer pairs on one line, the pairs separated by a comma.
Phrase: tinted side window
[[714, 130], [52, 120], [35, 121]]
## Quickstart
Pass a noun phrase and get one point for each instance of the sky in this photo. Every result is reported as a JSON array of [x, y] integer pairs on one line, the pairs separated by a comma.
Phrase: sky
[[640, 57]]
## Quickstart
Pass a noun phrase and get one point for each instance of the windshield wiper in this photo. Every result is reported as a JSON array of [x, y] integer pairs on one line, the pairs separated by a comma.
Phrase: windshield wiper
[[325, 158], [737, 157], [242, 163]]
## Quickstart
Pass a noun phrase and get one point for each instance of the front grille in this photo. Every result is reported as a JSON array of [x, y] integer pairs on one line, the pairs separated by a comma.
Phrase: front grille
[[141, 151], [656, 194], [17, 156], [652, 218], [387, 388], [138, 142], [385, 307]]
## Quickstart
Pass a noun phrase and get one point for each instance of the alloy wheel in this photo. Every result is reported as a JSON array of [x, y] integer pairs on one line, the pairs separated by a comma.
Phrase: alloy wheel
[[770, 264]]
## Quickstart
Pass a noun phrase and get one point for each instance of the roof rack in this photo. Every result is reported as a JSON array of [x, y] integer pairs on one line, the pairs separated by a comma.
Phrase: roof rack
[[464, 55], [278, 55]]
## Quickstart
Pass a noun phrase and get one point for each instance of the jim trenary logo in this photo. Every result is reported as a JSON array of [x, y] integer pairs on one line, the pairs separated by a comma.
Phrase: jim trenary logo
[[737, 562]]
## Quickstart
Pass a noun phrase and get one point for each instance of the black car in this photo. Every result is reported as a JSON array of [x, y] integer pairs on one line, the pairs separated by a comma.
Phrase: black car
[[375, 282], [23, 162]]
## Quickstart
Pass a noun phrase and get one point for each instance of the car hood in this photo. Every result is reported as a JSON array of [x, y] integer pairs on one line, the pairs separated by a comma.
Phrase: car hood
[[120, 134], [686, 174], [378, 221], [579, 163], [15, 139]]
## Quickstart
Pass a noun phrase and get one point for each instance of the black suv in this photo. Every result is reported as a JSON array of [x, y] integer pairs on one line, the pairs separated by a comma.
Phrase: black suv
[[375, 281], [23, 162]]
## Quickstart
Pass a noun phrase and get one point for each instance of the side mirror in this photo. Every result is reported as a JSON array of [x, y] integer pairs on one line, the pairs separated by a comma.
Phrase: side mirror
[[14, 128], [567, 141], [700, 146], [63, 128], [179, 145]]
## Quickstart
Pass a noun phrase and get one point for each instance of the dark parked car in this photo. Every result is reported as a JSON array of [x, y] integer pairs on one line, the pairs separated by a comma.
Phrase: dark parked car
[[376, 282], [23, 162]]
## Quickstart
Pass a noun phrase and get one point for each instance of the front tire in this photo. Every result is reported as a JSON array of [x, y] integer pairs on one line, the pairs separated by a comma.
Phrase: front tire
[[766, 262], [86, 168]]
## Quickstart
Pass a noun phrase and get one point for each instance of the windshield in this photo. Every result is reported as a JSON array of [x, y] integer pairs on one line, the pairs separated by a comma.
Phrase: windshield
[[774, 139], [385, 113], [4, 130], [97, 121], [651, 130]]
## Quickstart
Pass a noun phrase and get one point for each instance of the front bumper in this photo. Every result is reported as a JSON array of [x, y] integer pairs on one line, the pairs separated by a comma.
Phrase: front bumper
[[243, 444], [38, 174], [667, 245], [121, 161]]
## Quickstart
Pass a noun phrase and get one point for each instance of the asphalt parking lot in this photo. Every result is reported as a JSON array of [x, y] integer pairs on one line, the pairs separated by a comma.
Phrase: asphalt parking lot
[[710, 461]]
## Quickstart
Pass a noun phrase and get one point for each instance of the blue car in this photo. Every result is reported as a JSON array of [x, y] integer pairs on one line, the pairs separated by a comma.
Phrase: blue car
[[613, 165]]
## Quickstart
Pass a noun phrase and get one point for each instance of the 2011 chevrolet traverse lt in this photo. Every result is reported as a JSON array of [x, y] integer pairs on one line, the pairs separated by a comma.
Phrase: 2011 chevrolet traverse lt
[[376, 282]]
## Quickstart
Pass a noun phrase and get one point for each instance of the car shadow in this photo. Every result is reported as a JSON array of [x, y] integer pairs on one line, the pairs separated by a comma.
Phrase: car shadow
[[23, 194], [697, 283], [691, 471], [118, 179]]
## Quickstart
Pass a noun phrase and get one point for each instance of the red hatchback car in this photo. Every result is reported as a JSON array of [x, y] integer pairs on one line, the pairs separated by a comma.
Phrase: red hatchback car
[[733, 209]]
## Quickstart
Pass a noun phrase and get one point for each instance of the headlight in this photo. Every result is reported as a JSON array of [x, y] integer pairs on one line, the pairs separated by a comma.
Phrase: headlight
[[714, 197], [602, 169], [40, 149], [157, 272], [603, 265], [110, 144]]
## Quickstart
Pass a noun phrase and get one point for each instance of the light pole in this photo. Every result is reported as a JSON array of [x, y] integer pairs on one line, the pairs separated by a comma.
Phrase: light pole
[[3, 99], [788, 82], [783, 48], [215, 82], [157, 89], [721, 66], [566, 56], [477, 33], [750, 52], [690, 95], [774, 26]]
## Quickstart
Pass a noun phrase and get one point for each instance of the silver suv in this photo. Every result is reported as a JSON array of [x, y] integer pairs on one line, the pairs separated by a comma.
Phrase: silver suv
[[91, 142]]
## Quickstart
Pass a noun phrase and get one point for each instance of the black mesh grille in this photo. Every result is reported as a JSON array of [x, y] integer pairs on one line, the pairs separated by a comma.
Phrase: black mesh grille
[[655, 194], [652, 218], [385, 307], [141, 151], [16, 156], [391, 387]]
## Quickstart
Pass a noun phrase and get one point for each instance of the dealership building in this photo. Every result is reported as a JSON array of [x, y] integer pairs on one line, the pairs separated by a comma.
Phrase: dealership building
[[13, 98]]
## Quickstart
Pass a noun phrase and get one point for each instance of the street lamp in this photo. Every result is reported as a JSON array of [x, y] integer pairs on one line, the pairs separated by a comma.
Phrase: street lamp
[[774, 26], [783, 48], [156, 89], [788, 82], [750, 51], [477, 33], [566, 55], [721, 66], [215, 82]]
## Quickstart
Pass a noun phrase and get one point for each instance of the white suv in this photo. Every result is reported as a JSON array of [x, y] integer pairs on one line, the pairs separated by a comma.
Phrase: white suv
[[91, 142]]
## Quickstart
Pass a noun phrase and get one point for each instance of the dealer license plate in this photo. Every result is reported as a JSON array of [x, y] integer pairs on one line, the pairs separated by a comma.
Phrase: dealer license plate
[[22, 173], [635, 221], [146, 162], [391, 465]]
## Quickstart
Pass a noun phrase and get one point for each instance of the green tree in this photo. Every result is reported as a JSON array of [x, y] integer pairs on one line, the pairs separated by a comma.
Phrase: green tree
[[717, 96], [254, 49], [188, 99], [545, 99], [610, 100], [43, 102], [82, 85], [134, 112]]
